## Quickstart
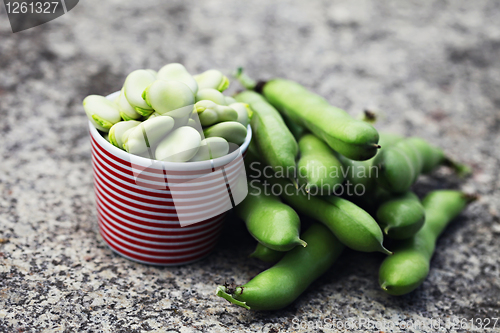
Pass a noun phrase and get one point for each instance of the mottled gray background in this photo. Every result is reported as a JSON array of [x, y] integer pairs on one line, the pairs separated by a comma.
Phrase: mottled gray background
[[433, 67]]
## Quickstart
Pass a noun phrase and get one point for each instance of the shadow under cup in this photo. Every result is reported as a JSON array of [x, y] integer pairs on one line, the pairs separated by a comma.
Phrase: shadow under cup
[[163, 213]]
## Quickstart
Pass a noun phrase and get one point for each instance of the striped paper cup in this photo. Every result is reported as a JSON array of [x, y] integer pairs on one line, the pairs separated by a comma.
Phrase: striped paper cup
[[163, 213]]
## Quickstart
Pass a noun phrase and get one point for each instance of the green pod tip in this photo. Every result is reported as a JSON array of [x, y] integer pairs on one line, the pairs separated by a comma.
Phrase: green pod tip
[[462, 170], [302, 242], [221, 291], [385, 251]]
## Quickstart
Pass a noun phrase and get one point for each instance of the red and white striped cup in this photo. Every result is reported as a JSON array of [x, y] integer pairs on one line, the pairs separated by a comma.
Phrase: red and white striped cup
[[163, 213]]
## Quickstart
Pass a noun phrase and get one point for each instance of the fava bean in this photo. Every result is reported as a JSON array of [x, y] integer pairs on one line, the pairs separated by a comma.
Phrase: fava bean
[[211, 148], [232, 131], [281, 284], [152, 71], [213, 79], [134, 86], [352, 138], [408, 267], [125, 136], [127, 112], [318, 168], [266, 254], [116, 132], [401, 216], [177, 72], [273, 139], [229, 100], [269, 221], [179, 146], [172, 98], [211, 113], [211, 95], [101, 112], [148, 134], [244, 112], [154, 115]]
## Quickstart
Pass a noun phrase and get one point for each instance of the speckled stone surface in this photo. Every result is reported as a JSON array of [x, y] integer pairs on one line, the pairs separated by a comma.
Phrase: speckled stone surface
[[433, 67]]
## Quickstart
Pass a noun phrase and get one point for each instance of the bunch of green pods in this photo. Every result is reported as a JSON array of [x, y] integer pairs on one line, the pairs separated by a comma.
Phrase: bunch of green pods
[[298, 130]]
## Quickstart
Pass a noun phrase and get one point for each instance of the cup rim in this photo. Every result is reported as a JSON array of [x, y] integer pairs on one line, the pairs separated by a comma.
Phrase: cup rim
[[188, 166]]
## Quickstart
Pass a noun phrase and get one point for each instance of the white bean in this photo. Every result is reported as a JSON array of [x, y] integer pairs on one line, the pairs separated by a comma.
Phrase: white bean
[[211, 148], [180, 146], [244, 113], [134, 86], [148, 134], [170, 97], [116, 132], [213, 79], [211, 95], [127, 112], [177, 72], [101, 112]]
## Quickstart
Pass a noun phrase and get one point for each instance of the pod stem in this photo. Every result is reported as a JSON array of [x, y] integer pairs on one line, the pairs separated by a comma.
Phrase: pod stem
[[462, 170], [385, 251], [221, 291], [368, 116], [471, 197], [245, 80], [302, 242]]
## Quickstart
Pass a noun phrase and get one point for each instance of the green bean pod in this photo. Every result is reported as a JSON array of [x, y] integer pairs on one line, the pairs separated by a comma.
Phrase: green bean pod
[[281, 284], [296, 129], [350, 137], [401, 216], [364, 173], [265, 254], [318, 168], [349, 223], [269, 221], [400, 165], [408, 267], [273, 138]]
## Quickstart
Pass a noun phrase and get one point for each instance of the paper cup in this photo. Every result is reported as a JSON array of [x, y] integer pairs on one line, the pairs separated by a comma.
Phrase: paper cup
[[162, 213]]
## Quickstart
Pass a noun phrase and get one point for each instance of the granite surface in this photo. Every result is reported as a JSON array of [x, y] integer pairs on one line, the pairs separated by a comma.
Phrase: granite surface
[[432, 67]]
